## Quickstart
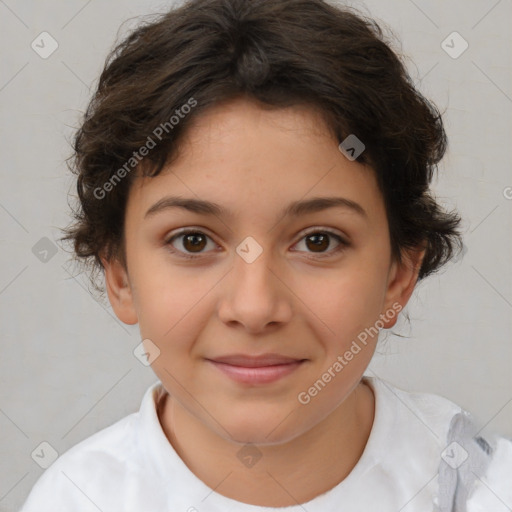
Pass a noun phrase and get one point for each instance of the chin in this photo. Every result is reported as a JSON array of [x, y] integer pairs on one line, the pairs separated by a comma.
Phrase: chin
[[259, 438], [262, 430]]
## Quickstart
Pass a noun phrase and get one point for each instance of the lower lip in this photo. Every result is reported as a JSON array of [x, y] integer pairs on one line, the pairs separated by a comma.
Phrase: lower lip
[[260, 375]]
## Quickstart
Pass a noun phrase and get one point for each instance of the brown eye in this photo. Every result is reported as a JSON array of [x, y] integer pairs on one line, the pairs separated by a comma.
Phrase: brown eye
[[192, 244], [320, 241]]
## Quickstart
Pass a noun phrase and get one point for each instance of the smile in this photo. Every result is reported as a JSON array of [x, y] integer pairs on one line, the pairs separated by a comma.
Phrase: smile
[[256, 370]]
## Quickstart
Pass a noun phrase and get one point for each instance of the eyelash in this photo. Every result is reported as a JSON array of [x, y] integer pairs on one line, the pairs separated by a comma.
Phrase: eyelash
[[343, 244]]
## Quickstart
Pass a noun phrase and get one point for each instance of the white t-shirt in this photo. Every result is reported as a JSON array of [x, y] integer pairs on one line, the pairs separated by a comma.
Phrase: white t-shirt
[[131, 467]]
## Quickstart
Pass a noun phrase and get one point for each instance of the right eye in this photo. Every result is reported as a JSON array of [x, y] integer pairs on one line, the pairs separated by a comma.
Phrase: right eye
[[191, 240]]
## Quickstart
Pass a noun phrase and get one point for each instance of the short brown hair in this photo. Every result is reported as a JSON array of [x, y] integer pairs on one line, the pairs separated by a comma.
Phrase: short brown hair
[[279, 53]]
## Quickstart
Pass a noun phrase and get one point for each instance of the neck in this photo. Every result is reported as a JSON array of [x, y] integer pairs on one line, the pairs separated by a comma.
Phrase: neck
[[286, 474]]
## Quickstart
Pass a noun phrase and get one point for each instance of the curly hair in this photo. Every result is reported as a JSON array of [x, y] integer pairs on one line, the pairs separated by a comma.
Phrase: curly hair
[[280, 53]]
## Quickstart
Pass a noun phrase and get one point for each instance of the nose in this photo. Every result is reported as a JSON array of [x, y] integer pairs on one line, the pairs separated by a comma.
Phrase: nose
[[255, 294]]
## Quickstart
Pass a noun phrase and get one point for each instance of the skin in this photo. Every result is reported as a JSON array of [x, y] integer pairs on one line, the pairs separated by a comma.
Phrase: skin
[[290, 300]]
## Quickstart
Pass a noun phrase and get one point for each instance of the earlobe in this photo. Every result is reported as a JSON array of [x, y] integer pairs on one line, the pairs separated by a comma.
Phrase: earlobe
[[402, 279], [119, 291]]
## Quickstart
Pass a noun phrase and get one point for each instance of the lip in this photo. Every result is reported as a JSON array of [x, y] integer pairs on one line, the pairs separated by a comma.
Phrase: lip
[[250, 361], [262, 369]]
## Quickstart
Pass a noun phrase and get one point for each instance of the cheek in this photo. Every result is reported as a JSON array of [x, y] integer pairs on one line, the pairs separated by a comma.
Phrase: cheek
[[174, 327], [164, 288], [345, 302]]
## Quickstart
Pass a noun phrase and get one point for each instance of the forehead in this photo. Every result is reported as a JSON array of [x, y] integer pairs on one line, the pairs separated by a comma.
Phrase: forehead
[[254, 160], [235, 114]]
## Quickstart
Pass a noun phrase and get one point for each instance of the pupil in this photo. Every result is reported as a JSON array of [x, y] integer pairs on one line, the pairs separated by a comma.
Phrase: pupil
[[193, 239], [319, 240]]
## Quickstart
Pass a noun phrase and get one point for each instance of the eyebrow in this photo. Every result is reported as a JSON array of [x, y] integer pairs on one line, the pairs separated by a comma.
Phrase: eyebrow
[[295, 208]]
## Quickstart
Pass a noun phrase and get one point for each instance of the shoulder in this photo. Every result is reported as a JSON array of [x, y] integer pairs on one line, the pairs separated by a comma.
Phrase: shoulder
[[472, 468], [414, 412], [84, 476], [72, 480], [408, 436]]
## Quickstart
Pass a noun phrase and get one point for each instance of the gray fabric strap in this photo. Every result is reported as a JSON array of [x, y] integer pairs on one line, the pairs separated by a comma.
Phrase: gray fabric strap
[[465, 458]]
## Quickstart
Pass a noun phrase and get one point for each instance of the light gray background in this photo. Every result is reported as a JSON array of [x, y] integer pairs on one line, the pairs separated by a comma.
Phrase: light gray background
[[67, 369]]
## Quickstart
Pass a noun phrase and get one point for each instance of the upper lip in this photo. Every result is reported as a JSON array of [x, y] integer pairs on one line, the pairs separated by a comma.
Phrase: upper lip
[[255, 361]]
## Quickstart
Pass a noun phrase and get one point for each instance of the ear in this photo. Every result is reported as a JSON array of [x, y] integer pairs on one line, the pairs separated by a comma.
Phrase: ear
[[402, 279], [119, 291]]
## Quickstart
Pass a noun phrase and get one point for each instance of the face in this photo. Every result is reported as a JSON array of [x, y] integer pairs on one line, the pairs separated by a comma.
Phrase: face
[[264, 271]]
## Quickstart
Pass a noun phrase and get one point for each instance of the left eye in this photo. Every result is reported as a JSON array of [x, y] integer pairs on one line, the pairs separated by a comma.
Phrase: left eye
[[195, 241], [320, 242]]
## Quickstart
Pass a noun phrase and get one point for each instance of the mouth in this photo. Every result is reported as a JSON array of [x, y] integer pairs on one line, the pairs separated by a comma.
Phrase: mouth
[[253, 370]]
